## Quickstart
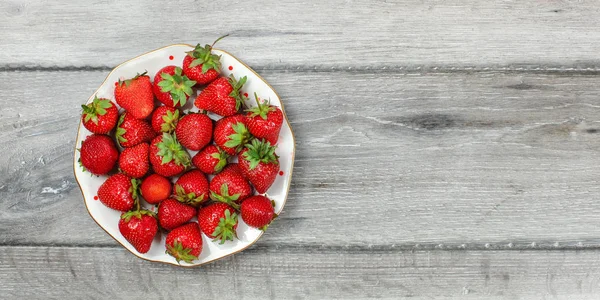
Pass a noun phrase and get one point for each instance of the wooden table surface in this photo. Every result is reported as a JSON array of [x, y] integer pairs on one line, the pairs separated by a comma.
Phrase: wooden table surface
[[445, 149]]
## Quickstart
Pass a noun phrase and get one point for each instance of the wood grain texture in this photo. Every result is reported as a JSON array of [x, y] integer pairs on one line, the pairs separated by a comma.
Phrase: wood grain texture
[[272, 273], [307, 34], [476, 161]]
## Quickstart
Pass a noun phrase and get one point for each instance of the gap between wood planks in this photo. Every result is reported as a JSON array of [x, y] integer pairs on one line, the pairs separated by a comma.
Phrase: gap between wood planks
[[582, 69]]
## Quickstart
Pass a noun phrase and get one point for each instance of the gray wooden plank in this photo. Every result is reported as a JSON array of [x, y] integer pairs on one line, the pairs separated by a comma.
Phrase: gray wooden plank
[[282, 273], [289, 33], [415, 160]]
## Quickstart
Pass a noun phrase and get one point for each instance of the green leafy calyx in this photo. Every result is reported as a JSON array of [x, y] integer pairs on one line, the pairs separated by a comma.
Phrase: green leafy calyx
[[171, 150], [129, 81], [225, 197], [260, 152], [225, 231], [237, 86], [170, 121], [97, 108], [204, 56], [222, 157], [178, 85], [239, 138], [188, 198], [136, 214], [180, 253], [262, 109], [121, 131]]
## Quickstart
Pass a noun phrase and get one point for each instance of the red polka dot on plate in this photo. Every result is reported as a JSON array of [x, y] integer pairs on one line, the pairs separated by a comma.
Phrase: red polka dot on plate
[[95, 197], [116, 83], [171, 57], [280, 173], [230, 68], [245, 94]]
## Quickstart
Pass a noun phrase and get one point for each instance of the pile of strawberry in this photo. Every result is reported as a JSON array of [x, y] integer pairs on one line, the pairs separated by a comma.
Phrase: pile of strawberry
[[150, 144]]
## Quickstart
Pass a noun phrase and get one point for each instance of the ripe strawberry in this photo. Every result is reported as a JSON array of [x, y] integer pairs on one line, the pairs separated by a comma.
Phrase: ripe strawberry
[[258, 211], [185, 242], [132, 131], [259, 164], [218, 221], [139, 228], [100, 116], [231, 134], [156, 188], [192, 188], [171, 88], [222, 96], [264, 121], [230, 186], [98, 154], [134, 161], [172, 214], [164, 119], [210, 160], [119, 192], [194, 131], [135, 96], [201, 65], [167, 156]]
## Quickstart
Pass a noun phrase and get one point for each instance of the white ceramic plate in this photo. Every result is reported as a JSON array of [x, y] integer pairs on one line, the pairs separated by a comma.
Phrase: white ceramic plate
[[152, 62]]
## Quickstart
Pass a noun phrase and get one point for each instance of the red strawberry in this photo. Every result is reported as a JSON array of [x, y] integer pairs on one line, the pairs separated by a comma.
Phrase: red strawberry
[[164, 119], [222, 96], [134, 161], [218, 221], [119, 192], [230, 186], [201, 65], [138, 228], [264, 121], [192, 188], [257, 211], [155, 188], [231, 134], [171, 87], [135, 96], [132, 131], [185, 242], [167, 156], [259, 164], [98, 154], [100, 116], [194, 131], [172, 213], [210, 160]]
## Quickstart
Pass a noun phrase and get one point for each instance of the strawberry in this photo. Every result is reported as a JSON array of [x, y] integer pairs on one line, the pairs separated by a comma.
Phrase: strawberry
[[230, 186], [210, 160], [264, 121], [218, 221], [167, 156], [171, 88], [258, 211], [100, 116], [98, 154], [231, 134], [222, 96], [119, 192], [135, 96], [194, 131], [155, 188], [185, 242], [259, 164], [134, 161], [132, 131], [172, 213], [139, 228], [164, 119], [201, 65], [192, 188]]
